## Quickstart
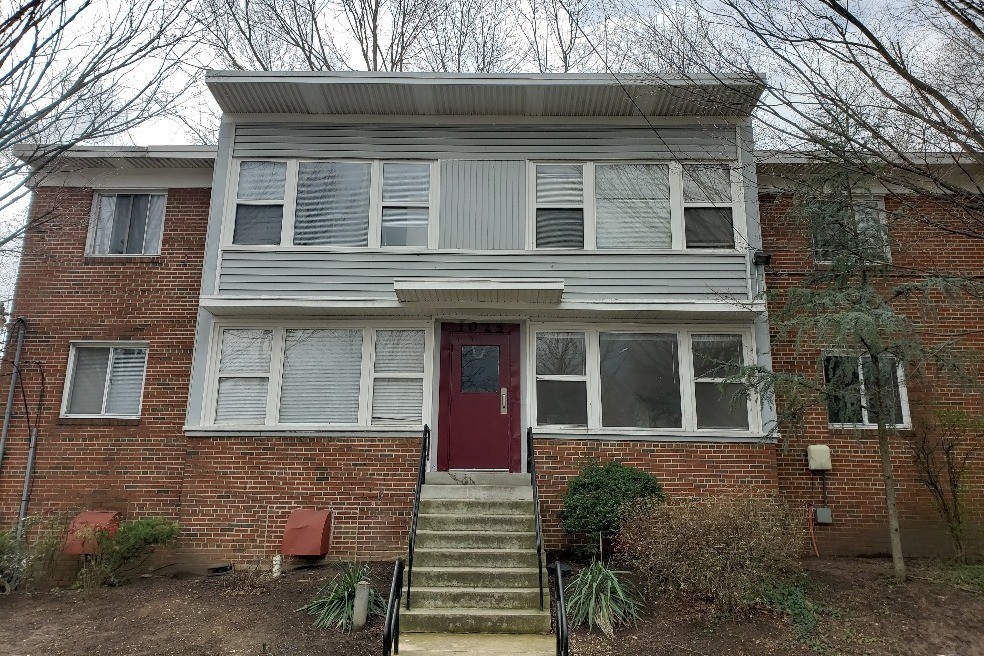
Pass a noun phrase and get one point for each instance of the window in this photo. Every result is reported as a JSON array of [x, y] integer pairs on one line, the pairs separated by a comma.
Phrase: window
[[337, 375], [707, 207], [561, 379], [607, 205], [260, 202], [333, 203], [851, 381], [559, 206], [640, 380], [633, 206], [855, 230], [105, 380], [719, 404], [128, 224]]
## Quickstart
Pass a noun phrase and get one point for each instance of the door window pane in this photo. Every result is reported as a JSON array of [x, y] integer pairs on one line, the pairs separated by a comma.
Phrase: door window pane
[[633, 206], [332, 204], [709, 227], [480, 368], [560, 354], [721, 405], [561, 403], [640, 381], [322, 374]]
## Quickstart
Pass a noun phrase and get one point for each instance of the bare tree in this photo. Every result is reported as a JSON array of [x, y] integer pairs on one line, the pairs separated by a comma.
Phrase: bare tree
[[74, 72], [471, 36]]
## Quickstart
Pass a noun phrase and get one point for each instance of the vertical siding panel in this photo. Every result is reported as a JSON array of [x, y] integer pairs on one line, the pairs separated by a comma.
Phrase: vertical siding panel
[[480, 204]]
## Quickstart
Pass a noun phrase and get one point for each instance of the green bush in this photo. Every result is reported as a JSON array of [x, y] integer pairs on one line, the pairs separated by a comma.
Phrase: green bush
[[117, 555], [598, 596], [724, 550], [596, 499], [335, 603]]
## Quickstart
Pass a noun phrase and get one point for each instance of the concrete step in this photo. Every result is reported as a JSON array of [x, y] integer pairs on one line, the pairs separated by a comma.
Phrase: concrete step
[[475, 478], [476, 577], [442, 597], [478, 492], [475, 507], [474, 557], [475, 644], [474, 620], [429, 539], [493, 523]]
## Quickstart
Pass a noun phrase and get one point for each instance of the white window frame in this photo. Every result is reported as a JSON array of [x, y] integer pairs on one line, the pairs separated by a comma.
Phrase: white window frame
[[688, 399], [878, 200], [589, 349], [290, 206], [677, 204], [865, 423], [367, 378], [74, 346], [97, 195]]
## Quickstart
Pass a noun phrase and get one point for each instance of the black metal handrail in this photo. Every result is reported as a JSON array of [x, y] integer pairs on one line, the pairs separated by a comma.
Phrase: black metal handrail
[[421, 472], [563, 648], [391, 625], [531, 467]]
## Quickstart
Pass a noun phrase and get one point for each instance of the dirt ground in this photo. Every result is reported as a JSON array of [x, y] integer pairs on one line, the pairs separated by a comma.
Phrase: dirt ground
[[865, 613]]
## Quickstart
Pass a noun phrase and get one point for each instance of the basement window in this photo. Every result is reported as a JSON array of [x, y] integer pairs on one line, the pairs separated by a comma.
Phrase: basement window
[[105, 380], [127, 224]]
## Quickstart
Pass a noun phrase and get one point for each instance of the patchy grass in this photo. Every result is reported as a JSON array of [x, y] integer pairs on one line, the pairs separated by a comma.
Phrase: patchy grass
[[964, 576]]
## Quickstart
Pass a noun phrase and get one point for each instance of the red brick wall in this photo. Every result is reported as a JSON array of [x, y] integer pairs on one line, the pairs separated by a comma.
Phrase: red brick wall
[[683, 468], [855, 487]]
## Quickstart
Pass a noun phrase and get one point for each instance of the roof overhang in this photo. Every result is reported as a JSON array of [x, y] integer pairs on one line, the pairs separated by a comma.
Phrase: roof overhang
[[116, 157], [479, 290], [456, 94]]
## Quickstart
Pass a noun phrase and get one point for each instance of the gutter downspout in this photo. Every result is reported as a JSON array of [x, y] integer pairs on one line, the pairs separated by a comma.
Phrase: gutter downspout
[[14, 376], [28, 475]]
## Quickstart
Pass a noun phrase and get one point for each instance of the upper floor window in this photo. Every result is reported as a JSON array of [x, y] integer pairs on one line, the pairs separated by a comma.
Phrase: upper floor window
[[640, 380], [851, 397], [633, 206], [105, 380], [333, 203], [127, 224], [854, 229]]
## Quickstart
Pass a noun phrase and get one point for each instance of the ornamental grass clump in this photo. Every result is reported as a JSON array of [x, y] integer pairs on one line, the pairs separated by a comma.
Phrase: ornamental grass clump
[[725, 551], [334, 604], [602, 597]]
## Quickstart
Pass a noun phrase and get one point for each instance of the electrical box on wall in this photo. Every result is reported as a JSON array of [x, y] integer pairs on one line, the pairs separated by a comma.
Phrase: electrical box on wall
[[823, 515], [818, 457]]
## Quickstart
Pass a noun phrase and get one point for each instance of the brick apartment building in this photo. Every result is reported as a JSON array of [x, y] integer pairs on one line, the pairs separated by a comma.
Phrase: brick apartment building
[[134, 322]]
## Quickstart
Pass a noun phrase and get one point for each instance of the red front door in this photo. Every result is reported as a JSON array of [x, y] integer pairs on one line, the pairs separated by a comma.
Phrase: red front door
[[479, 403]]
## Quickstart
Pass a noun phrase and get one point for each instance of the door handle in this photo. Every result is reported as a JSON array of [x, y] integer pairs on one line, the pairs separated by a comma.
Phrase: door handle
[[504, 401]]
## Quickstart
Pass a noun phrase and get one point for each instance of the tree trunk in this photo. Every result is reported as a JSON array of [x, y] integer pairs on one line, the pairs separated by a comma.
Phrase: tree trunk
[[893, 514]]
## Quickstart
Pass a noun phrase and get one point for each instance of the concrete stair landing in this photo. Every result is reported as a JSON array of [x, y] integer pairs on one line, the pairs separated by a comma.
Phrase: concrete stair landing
[[475, 567]]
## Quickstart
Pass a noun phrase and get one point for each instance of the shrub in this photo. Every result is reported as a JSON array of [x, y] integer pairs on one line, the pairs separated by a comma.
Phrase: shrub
[[335, 603], [723, 550], [117, 555], [599, 597], [596, 499], [31, 557]]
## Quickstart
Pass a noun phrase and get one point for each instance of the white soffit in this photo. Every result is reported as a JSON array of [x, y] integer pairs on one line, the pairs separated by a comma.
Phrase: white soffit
[[479, 290]]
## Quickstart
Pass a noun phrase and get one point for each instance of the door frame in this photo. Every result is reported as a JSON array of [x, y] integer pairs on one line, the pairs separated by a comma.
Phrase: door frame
[[515, 393]]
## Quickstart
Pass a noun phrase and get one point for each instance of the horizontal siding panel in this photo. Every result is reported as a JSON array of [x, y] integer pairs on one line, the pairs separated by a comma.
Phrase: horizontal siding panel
[[588, 277], [482, 142]]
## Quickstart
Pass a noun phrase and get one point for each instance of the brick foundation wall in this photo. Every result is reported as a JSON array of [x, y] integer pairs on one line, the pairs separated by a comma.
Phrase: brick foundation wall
[[855, 487]]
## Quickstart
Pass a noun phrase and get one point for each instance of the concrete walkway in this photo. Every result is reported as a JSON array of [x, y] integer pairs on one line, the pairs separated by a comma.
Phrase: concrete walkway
[[485, 644]]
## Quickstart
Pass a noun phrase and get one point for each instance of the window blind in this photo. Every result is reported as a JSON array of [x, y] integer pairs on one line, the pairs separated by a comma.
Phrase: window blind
[[321, 379], [633, 206], [126, 376], [332, 204]]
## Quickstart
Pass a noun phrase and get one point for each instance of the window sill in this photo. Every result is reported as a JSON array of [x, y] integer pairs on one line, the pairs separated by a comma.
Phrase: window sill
[[100, 421], [655, 436], [286, 431], [122, 259]]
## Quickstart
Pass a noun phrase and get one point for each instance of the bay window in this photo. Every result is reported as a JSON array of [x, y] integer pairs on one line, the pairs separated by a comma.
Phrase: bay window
[[641, 380], [329, 203], [633, 205], [323, 375]]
